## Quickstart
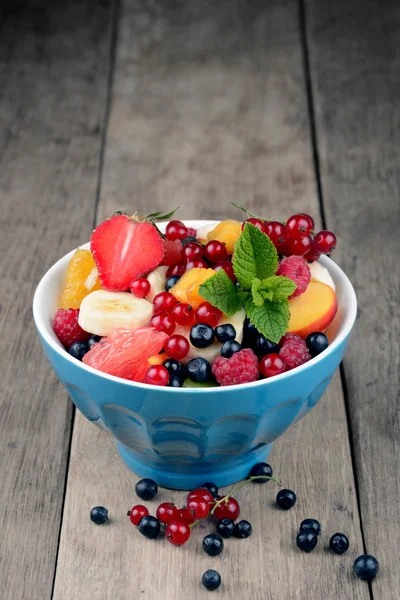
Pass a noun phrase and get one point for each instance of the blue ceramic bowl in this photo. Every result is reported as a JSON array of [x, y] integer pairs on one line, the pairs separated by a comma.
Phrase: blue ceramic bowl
[[182, 438]]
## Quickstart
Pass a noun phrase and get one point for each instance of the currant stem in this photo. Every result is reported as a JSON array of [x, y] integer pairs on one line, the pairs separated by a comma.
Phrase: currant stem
[[242, 484]]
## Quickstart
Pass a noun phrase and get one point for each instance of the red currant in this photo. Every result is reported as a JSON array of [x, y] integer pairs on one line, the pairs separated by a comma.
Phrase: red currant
[[312, 254], [226, 266], [199, 507], [277, 234], [177, 269], [229, 509], [140, 287], [209, 314], [183, 314], [202, 493], [185, 515], [176, 230], [167, 512], [299, 247], [272, 364], [215, 251], [256, 222], [325, 242], [157, 375], [164, 302], [163, 322], [199, 263], [136, 513], [299, 225], [177, 347], [177, 532], [193, 250]]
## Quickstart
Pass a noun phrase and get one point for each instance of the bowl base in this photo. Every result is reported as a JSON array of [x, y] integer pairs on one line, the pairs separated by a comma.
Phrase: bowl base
[[189, 481]]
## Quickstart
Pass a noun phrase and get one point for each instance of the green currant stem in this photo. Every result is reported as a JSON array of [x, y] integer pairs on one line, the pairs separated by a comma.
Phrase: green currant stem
[[194, 523], [242, 484]]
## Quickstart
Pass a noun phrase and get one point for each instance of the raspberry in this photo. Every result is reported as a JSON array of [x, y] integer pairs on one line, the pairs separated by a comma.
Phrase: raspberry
[[242, 367], [67, 328], [294, 351], [298, 271]]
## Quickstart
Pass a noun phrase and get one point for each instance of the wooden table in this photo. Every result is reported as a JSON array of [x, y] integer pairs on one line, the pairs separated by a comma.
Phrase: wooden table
[[279, 105]]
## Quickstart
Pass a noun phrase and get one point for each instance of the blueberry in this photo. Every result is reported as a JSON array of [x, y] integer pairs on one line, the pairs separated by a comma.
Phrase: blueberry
[[174, 367], [99, 515], [171, 281], [78, 350], [149, 527], [146, 489], [211, 580], [213, 544], [250, 334], [174, 381], [201, 335], [211, 487], [263, 469], [225, 528], [311, 525], [225, 333], [264, 346], [339, 543], [188, 239], [93, 340], [366, 567], [230, 348], [199, 369], [286, 499], [316, 342], [243, 529], [306, 540]]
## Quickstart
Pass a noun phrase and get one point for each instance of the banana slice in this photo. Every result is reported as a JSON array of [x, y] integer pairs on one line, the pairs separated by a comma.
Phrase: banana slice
[[157, 279], [211, 352], [101, 311]]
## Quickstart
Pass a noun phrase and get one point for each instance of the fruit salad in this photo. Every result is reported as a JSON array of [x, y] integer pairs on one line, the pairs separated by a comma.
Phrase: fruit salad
[[222, 305]]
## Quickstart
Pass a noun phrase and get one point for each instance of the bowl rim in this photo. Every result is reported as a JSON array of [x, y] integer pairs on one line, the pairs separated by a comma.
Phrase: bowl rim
[[45, 330]]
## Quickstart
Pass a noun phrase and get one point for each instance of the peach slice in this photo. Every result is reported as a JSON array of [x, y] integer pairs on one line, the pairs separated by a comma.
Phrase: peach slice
[[187, 288], [313, 310]]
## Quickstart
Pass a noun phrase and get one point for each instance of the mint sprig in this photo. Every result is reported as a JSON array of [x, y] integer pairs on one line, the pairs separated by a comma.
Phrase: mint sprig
[[220, 291], [255, 257]]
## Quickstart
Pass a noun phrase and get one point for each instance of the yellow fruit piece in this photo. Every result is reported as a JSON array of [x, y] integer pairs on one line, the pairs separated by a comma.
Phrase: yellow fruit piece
[[228, 232], [82, 278], [187, 287], [158, 359]]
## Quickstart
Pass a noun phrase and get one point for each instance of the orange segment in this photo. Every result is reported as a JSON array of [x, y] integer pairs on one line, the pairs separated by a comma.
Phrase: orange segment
[[158, 359], [82, 278], [228, 232], [313, 310], [187, 287]]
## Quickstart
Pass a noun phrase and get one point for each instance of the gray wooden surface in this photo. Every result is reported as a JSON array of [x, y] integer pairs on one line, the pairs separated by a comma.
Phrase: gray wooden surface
[[279, 105]]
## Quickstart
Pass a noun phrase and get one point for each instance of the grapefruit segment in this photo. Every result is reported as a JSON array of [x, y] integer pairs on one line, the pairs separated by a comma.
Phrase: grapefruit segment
[[313, 310]]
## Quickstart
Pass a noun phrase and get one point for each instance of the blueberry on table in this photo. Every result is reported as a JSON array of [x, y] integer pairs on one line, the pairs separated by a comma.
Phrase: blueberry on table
[[316, 342], [225, 333], [99, 515], [146, 489], [78, 350], [149, 527], [226, 528], [264, 346], [213, 544], [174, 381], [211, 580], [199, 369], [286, 499], [311, 525], [366, 567], [211, 487], [306, 540], [171, 281], [230, 348], [262, 469], [339, 543], [201, 335], [243, 529]]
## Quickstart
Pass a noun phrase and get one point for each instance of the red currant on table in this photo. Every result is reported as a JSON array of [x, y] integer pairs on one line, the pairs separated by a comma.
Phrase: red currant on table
[[202, 493], [164, 302], [163, 322], [177, 347], [198, 263], [299, 225], [228, 509], [183, 314], [185, 515], [226, 266], [136, 513], [325, 241], [193, 250], [140, 287], [299, 247], [167, 512], [277, 234], [209, 314], [256, 222], [176, 230], [157, 375], [177, 269], [215, 251], [199, 507], [177, 532], [272, 364]]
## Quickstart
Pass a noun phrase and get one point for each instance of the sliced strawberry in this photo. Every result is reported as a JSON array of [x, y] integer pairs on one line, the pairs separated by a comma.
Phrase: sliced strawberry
[[173, 252], [124, 249]]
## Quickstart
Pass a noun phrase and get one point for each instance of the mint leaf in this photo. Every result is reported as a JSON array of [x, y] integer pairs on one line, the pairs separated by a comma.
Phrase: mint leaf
[[279, 287], [255, 256], [220, 291], [271, 319]]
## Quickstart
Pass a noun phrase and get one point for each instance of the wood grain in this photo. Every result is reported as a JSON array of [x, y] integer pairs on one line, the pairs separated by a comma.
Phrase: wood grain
[[354, 50], [208, 106], [52, 87]]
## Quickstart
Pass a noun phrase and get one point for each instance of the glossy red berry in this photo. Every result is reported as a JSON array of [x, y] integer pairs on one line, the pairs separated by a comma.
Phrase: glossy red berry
[[199, 507], [272, 364], [177, 532], [177, 269], [299, 225], [227, 266], [299, 247], [198, 263], [325, 242], [167, 512], [177, 347], [312, 254], [163, 322], [140, 287], [157, 375], [277, 234], [183, 314], [229, 509], [185, 515], [164, 302], [203, 493], [215, 251], [193, 250], [256, 222], [176, 230], [136, 513], [209, 314]]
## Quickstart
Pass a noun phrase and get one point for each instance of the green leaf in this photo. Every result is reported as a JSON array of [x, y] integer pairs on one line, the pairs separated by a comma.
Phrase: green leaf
[[254, 257], [271, 319], [279, 288], [220, 291]]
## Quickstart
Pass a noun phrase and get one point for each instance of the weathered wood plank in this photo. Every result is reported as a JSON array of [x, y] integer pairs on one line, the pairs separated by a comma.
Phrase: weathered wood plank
[[53, 63], [354, 50], [209, 105]]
